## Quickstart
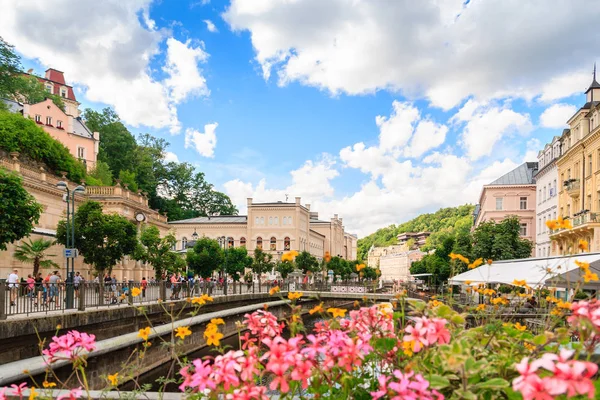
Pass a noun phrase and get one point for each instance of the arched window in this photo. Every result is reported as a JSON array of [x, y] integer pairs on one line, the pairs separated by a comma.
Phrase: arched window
[[262, 220], [276, 221], [285, 220], [229, 242], [286, 244], [259, 243], [270, 220], [183, 243], [289, 220], [256, 221], [243, 242], [273, 244]]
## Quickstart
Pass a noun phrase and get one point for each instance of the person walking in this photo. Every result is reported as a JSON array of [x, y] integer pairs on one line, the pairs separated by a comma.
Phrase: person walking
[[144, 285], [13, 286], [39, 288], [30, 287], [53, 282], [77, 280]]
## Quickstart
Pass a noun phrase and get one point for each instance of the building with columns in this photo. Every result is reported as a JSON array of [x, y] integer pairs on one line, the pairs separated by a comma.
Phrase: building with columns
[[275, 227], [546, 182]]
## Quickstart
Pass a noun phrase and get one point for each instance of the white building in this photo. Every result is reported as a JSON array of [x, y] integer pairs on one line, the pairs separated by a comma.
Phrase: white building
[[547, 195]]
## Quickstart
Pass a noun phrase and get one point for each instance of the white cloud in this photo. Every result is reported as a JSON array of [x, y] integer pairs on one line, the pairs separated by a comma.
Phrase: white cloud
[[185, 78], [428, 135], [171, 157], [443, 50], [396, 130], [203, 143], [107, 53], [210, 26], [557, 115], [532, 149]]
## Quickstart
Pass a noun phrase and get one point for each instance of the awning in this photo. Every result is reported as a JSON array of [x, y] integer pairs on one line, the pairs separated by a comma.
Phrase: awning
[[551, 271], [44, 232]]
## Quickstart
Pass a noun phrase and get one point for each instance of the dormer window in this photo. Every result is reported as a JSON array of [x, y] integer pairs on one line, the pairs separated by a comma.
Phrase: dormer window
[[63, 92], [48, 88], [49, 121]]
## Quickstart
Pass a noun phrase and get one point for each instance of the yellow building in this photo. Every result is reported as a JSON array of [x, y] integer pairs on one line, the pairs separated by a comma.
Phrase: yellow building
[[579, 174]]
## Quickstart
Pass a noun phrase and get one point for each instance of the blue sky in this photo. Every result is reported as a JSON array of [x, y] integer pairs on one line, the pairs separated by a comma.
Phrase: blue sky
[[376, 111]]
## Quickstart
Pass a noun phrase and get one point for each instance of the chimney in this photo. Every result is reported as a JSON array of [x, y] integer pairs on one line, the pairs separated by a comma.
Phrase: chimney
[[335, 216], [308, 207], [249, 201], [297, 200]]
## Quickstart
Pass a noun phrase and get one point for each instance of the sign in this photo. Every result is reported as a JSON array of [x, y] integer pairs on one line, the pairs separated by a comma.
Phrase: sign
[[71, 253]]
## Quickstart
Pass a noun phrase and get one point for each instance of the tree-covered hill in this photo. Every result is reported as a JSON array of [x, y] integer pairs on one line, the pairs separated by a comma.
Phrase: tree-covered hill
[[439, 223]]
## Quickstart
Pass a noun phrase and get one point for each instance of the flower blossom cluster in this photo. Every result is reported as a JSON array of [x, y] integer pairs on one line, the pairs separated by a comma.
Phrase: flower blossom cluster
[[561, 376], [263, 324], [405, 386], [586, 316], [69, 346], [427, 332], [375, 321]]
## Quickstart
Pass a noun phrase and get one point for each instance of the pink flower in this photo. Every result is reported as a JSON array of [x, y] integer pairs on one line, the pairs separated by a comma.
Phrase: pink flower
[[417, 334], [18, 390], [198, 380], [437, 331], [382, 390], [248, 392], [405, 386], [72, 395], [69, 346], [263, 323], [226, 368], [302, 372]]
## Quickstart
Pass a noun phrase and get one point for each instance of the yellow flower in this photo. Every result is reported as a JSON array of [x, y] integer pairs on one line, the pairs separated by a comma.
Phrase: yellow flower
[[213, 338], [135, 292], [183, 331], [552, 224], [564, 305], [210, 328], [48, 385], [583, 265], [327, 256], [435, 303], [475, 263], [296, 318], [517, 282], [490, 261], [480, 307], [202, 300], [337, 312], [589, 276], [294, 295], [551, 299], [356, 303], [407, 348], [274, 290], [523, 295], [378, 272], [359, 267], [144, 333], [529, 346], [520, 327], [583, 245], [32, 394], [460, 257], [566, 224], [468, 282], [217, 321], [114, 379], [499, 300], [468, 290], [317, 309], [489, 292]]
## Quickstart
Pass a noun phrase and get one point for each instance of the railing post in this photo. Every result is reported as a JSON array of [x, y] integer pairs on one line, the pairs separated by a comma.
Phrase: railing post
[[129, 293], [3, 294], [100, 293], [162, 295], [81, 305]]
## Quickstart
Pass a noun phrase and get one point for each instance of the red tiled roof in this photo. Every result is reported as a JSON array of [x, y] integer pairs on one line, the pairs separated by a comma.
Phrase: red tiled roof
[[55, 76], [57, 85]]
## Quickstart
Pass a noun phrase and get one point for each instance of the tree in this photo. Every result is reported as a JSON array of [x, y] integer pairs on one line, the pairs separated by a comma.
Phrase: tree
[[102, 239], [306, 262], [128, 178], [101, 175], [418, 267], [34, 252], [500, 241], [28, 89], [236, 262], [18, 209], [285, 268], [340, 267], [10, 66], [261, 263], [158, 251], [205, 257]]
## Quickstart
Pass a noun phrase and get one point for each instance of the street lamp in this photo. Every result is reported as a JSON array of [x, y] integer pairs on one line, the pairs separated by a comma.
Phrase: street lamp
[[222, 242], [70, 232]]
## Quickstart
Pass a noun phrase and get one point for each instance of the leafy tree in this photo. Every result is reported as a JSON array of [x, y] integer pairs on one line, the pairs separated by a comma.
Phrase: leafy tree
[[438, 264], [28, 89], [500, 241], [205, 257], [306, 262], [10, 66], [18, 209], [128, 178], [418, 267], [236, 262], [34, 252], [369, 273], [340, 267], [101, 175], [26, 137], [261, 263], [158, 252], [285, 268], [102, 239]]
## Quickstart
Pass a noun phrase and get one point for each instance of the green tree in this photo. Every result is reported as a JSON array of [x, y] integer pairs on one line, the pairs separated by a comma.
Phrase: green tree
[[285, 268], [128, 178], [18, 209], [418, 267], [306, 262], [261, 263], [102, 239], [101, 175], [34, 252], [28, 89], [205, 257], [158, 252], [10, 66], [340, 267], [500, 241], [236, 262]]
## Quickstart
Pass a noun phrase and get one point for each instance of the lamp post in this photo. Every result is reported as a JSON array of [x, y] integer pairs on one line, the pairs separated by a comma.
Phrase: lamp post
[[223, 243], [70, 232]]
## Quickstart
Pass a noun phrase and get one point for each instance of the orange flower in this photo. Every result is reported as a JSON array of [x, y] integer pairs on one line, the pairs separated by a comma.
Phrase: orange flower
[[583, 245], [182, 332], [589, 276], [585, 266], [317, 309], [337, 312], [294, 295], [517, 282], [274, 290], [327, 257], [144, 333], [460, 257], [360, 267], [490, 261], [480, 307], [520, 327], [475, 263], [552, 225], [468, 282]]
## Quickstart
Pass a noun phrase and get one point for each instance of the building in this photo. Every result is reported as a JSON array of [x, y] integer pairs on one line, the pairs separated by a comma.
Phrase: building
[[579, 178], [65, 126], [396, 266], [415, 239], [547, 195], [273, 227], [512, 194]]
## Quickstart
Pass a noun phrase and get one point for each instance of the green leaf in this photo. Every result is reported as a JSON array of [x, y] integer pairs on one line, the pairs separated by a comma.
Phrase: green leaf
[[444, 311], [494, 383], [540, 340], [438, 382], [385, 344], [457, 319]]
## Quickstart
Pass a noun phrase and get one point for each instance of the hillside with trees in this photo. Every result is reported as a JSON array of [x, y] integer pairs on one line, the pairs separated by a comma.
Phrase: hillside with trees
[[442, 223]]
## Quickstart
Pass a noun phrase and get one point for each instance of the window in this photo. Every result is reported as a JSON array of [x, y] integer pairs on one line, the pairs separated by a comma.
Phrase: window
[[273, 244], [183, 243], [590, 165], [59, 124], [49, 121], [540, 197], [568, 210], [544, 227], [523, 230], [523, 203], [555, 187], [285, 220], [289, 220], [38, 118], [589, 201], [242, 242], [63, 92], [259, 243], [569, 174], [562, 178], [81, 153], [262, 220], [545, 193], [230, 242], [555, 214], [270, 220], [286, 243], [539, 225], [276, 221], [499, 203], [598, 159], [48, 88], [576, 170]]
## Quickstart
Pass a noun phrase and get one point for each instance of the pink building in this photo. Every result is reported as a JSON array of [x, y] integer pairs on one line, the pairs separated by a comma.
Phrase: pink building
[[512, 194]]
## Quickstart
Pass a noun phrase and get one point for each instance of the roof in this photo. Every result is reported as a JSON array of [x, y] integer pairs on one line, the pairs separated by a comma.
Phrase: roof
[[522, 175], [534, 271], [13, 106], [55, 75], [217, 219], [58, 79], [79, 128], [275, 203]]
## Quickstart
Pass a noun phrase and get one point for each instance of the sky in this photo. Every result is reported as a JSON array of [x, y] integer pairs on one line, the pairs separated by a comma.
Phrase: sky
[[375, 110]]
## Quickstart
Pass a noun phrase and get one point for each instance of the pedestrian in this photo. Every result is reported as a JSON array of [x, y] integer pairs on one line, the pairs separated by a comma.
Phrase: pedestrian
[[53, 282], [30, 286], [13, 286], [144, 285], [77, 280], [39, 289]]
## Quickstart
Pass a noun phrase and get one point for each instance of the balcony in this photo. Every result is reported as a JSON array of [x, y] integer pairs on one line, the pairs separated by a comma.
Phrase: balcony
[[573, 187], [579, 222]]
